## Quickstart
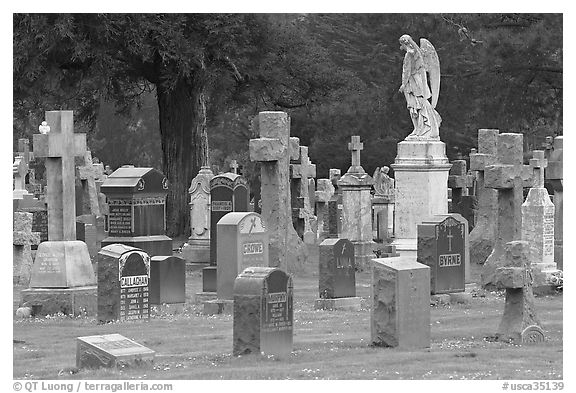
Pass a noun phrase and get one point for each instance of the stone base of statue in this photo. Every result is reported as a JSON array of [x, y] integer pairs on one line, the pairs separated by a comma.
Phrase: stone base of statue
[[421, 176], [196, 251]]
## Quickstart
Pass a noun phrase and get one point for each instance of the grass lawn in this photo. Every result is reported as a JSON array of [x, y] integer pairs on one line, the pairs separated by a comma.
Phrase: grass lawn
[[327, 344]]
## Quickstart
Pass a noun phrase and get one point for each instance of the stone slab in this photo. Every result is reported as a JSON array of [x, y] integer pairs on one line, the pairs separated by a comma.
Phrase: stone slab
[[400, 313], [202, 297], [78, 301], [209, 279], [167, 280], [218, 306], [111, 350], [343, 303]]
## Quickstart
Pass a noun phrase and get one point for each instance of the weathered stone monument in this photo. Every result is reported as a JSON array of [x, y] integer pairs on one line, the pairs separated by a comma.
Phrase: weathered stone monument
[[23, 239], [383, 206], [242, 243], [137, 209], [197, 249], [167, 285], [62, 278], [111, 350], [357, 208], [303, 219], [337, 277], [538, 225], [123, 283], [263, 312], [460, 182], [519, 324], [508, 177], [483, 236], [421, 166], [553, 173], [335, 205], [323, 194], [443, 246], [400, 313], [273, 150]]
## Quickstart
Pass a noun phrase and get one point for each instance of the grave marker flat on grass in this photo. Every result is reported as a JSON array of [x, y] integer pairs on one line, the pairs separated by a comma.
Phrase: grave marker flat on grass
[[400, 314], [443, 246], [123, 283], [263, 312], [337, 280], [111, 350]]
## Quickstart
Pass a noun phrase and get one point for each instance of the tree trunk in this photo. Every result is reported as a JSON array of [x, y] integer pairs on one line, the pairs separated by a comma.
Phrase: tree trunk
[[182, 113]]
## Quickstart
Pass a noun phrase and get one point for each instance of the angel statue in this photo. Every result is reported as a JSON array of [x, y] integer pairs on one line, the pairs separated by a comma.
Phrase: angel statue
[[417, 62]]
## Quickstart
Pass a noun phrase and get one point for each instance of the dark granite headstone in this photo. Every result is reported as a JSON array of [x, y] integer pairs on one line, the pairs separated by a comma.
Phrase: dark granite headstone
[[242, 242], [263, 312], [167, 280], [123, 278], [137, 209], [111, 350], [442, 245], [336, 269]]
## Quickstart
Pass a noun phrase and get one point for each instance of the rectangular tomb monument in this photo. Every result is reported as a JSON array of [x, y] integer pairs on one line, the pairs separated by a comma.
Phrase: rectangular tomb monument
[[137, 209], [400, 314], [123, 283], [263, 312], [443, 246], [111, 350]]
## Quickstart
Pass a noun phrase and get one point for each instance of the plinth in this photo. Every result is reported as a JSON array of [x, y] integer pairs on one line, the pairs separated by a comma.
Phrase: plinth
[[421, 174]]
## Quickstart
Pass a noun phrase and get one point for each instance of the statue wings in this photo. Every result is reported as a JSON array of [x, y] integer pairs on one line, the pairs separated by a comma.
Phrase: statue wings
[[432, 65]]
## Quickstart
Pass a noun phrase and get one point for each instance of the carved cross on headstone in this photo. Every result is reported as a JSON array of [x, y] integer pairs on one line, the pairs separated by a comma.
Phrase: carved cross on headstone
[[234, 166], [519, 321], [508, 177], [355, 146], [60, 146], [538, 163], [88, 174]]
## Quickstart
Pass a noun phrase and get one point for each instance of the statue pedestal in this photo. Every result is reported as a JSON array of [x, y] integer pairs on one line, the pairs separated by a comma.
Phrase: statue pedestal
[[421, 174]]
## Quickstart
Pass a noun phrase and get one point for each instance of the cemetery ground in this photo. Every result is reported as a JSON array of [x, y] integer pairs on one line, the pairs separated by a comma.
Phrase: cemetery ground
[[327, 344]]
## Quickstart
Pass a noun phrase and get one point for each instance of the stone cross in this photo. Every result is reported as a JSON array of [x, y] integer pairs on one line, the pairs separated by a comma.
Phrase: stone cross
[[234, 166], [273, 150], [60, 146], [538, 163], [19, 170], [355, 146], [300, 171], [554, 176], [519, 322], [508, 177], [483, 234], [88, 174], [23, 239], [459, 180]]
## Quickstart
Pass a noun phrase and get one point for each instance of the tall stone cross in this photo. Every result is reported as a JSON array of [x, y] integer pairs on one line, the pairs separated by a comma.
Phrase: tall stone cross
[[273, 150], [302, 170], [508, 177], [88, 174], [355, 146], [60, 146], [234, 166]]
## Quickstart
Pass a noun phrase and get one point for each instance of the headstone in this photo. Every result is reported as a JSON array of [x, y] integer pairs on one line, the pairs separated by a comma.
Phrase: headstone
[[19, 170], [335, 205], [443, 246], [538, 225], [508, 177], [337, 277], [519, 324], [553, 173], [263, 312], [197, 249], [383, 206], [23, 238], [228, 193], [400, 313], [323, 195], [111, 350], [273, 150], [302, 170], [167, 280], [483, 236], [62, 277], [357, 208], [460, 182], [123, 283], [137, 209]]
